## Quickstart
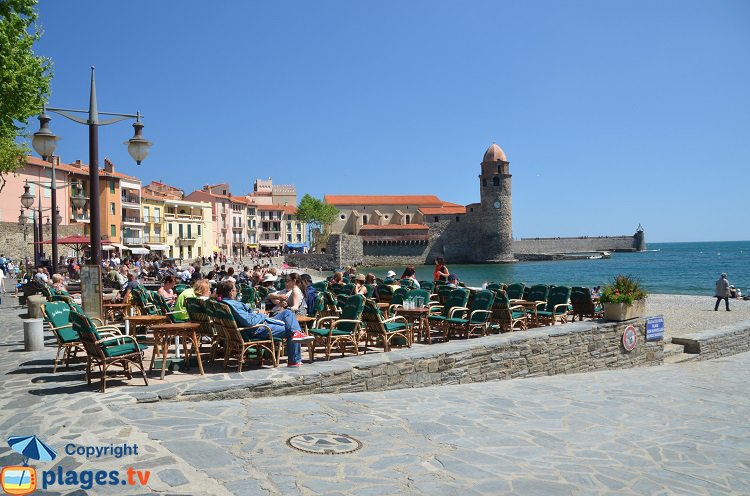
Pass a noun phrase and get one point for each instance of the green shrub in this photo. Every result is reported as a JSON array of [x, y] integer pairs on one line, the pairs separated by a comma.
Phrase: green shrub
[[623, 289]]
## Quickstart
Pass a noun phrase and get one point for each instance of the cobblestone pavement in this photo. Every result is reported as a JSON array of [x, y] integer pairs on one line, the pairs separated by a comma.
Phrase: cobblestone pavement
[[675, 429]]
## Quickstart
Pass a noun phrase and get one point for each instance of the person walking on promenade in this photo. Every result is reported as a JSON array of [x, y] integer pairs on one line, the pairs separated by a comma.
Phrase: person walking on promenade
[[722, 291]]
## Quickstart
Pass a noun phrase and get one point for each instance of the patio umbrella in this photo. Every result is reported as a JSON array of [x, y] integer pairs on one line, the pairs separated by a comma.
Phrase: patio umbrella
[[77, 243], [31, 447]]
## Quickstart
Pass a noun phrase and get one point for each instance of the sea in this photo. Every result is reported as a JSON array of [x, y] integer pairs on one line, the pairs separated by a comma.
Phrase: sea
[[667, 268]]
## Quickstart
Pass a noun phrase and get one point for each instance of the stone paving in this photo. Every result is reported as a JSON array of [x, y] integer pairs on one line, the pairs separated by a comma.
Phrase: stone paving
[[674, 429]]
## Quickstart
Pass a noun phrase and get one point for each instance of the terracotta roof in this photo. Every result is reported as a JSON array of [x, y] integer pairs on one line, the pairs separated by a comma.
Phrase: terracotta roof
[[445, 210], [393, 227], [494, 153], [289, 209], [76, 169], [427, 200], [149, 196]]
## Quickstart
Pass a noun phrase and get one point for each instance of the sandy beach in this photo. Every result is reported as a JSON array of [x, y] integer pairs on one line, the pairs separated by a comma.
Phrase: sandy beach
[[686, 314]]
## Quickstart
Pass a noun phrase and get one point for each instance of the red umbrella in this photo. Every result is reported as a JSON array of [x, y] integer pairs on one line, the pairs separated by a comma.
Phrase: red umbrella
[[75, 242]]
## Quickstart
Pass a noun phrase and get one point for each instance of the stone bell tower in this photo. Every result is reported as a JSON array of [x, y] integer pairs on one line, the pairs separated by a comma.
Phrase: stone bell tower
[[496, 211]]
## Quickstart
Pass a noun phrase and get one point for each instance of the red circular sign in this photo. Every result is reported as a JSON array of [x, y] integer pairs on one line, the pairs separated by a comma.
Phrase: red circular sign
[[629, 338]]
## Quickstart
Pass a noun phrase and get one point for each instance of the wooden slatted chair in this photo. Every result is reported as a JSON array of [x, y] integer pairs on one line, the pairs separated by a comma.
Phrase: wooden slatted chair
[[106, 350], [377, 327], [238, 346], [467, 321], [508, 317], [557, 307], [341, 331]]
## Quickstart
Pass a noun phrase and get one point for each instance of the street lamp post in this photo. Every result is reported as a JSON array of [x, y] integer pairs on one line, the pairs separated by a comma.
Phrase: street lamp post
[[27, 200], [44, 143]]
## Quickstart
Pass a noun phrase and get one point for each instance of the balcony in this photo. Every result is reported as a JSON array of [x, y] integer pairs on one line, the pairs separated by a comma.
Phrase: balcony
[[152, 218], [182, 241], [136, 200], [154, 238], [132, 219], [80, 217], [130, 240], [173, 216], [238, 227]]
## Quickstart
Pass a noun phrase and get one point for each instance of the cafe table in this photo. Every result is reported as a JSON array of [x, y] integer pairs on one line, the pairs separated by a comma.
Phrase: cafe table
[[418, 318], [110, 309], [305, 323], [184, 330]]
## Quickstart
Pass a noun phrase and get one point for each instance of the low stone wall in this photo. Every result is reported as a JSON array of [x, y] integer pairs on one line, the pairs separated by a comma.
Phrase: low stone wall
[[562, 349], [580, 244], [321, 261], [716, 343]]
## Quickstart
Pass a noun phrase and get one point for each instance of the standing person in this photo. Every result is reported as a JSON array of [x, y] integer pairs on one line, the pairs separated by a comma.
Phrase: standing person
[[283, 325], [722, 292], [441, 270]]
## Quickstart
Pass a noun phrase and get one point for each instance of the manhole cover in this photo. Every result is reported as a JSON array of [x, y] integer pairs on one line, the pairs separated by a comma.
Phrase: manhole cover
[[324, 443]]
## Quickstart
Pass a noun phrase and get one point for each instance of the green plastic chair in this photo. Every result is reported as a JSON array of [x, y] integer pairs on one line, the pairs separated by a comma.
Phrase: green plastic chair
[[106, 350], [342, 331], [428, 285], [557, 307], [478, 317], [321, 286]]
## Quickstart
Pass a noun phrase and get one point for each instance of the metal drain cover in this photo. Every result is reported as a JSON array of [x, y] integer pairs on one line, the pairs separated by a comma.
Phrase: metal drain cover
[[324, 443]]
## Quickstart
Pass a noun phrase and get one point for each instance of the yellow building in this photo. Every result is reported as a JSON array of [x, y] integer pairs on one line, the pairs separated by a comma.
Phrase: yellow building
[[153, 218], [189, 229]]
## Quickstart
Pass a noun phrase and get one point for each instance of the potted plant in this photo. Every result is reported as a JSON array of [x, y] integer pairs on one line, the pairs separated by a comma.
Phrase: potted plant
[[624, 298]]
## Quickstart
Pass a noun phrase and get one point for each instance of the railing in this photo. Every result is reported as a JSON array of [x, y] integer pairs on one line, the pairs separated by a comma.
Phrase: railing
[[131, 218], [154, 238], [156, 219], [185, 240], [131, 199], [183, 216], [132, 240]]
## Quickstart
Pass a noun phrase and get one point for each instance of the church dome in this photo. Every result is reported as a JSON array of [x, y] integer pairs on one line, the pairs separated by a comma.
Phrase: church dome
[[494, 153]]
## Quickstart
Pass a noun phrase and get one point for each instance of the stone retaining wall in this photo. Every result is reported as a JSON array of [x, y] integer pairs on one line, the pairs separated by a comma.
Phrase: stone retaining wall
[[562, 349], [576, 245], [716, 343], [16, 243]]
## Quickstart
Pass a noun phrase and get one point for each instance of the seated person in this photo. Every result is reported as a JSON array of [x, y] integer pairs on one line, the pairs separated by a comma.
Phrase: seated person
[[390, 279], [338, 280], [57, 282], [410, 272], [290, 297], [201, 289], [370, 281], [452, 281], [284, 324], [732, 292], [167, 290], [129, 286], [359, 285]]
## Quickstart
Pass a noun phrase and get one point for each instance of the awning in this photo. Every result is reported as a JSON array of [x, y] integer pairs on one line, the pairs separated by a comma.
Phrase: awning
[[118, 246], [137, 250], [252, 245], [296, 245], [107, 247], [158, 247]]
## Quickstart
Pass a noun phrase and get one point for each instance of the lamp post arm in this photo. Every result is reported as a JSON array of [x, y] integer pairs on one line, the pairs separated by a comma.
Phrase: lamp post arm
[[68, 115]]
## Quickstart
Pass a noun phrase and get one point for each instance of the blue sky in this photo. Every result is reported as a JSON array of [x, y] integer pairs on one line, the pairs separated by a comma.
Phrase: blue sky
[[611, 113]]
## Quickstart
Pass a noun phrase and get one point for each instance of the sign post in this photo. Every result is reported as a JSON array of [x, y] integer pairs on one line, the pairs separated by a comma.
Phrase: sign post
[[91, 290]]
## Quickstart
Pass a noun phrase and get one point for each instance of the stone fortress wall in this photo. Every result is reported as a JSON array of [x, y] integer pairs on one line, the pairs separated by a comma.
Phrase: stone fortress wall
[[16, 245]]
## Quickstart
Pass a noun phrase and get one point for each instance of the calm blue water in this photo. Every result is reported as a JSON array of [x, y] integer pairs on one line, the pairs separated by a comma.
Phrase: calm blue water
[[678, 268]]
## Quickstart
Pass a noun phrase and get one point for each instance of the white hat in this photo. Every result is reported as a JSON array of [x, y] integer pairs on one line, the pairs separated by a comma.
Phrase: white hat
[[270, 278], [390, 273]]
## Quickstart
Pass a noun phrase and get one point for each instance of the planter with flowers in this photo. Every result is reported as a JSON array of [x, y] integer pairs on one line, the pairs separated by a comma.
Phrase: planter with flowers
[[623, 299]]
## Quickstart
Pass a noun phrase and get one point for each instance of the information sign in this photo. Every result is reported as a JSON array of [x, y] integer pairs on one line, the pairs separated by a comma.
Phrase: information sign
[[655, 328], [629, 338], [91, 290]]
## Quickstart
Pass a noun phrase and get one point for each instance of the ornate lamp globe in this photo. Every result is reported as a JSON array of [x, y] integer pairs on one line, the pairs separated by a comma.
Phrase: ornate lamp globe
[[44, 140], [27, 199], [23, 218], [138, 146]]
